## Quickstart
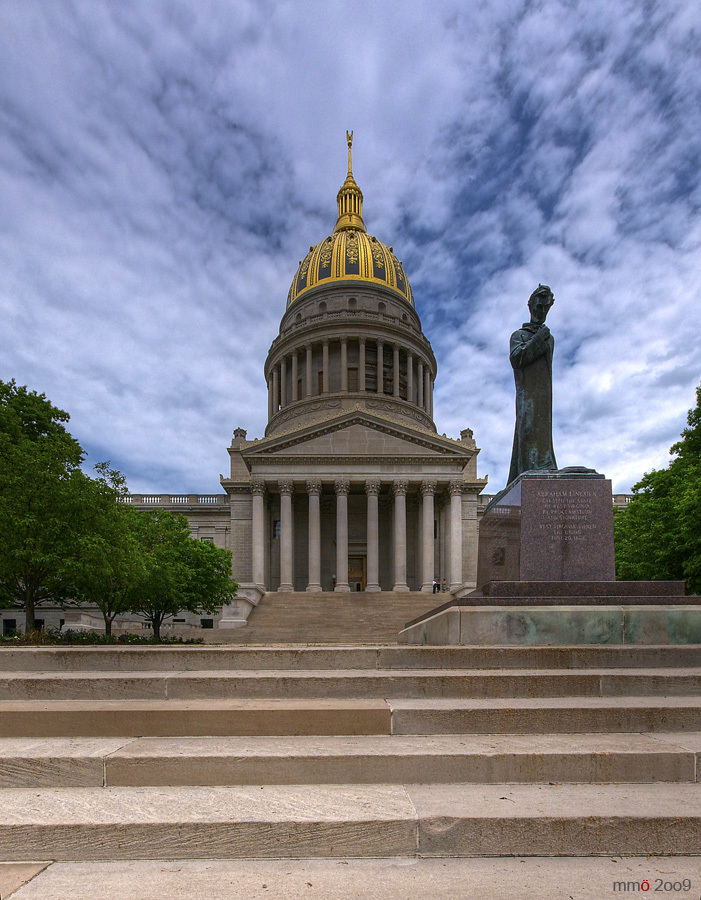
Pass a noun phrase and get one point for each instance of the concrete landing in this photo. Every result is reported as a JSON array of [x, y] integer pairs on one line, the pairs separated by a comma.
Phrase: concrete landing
[[360, 879]]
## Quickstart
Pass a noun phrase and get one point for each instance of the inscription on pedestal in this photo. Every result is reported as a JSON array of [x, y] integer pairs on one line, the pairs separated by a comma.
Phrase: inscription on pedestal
[[549, 528], [567, 515]]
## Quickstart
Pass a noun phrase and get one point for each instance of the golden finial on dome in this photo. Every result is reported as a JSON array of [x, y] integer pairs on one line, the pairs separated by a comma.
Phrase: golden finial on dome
[[350, 199]]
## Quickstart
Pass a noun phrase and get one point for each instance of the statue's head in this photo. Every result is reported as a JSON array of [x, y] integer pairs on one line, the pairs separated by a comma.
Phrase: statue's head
[[539, 304]]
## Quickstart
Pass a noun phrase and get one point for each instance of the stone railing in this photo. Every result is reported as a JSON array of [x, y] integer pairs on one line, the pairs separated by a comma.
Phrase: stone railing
[[175, 499]]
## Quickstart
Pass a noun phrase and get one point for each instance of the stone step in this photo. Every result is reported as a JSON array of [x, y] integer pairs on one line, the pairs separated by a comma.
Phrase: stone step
[[547, 715], [332, 617], [457, 820], [120, 718], [511, 878], [163, 718], [373, 759], [299, 656], [373, 683]]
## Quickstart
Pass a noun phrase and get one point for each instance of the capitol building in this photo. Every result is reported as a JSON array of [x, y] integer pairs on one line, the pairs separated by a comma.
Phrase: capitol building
[[351, 488]]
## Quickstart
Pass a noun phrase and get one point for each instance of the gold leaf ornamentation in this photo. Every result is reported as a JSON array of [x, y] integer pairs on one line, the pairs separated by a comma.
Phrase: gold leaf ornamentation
[[352, 247], [326, 252], [378, 256]]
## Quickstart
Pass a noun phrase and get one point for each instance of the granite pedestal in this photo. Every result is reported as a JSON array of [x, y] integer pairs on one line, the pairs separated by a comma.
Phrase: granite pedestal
[[549, 527]]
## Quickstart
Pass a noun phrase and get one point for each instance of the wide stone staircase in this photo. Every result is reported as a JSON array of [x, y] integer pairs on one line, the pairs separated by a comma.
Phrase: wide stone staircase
[[329, 618], [384, 751]]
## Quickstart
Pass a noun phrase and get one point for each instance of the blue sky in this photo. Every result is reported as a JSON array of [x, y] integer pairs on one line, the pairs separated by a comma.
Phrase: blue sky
[[165, 165]]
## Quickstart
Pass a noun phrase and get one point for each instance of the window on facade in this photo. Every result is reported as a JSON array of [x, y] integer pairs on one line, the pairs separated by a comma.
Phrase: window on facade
[[9, 626], [207, 540], [299, 389], [320, 380], [207, 623], [352, 379], [276, 529], [38, 624]]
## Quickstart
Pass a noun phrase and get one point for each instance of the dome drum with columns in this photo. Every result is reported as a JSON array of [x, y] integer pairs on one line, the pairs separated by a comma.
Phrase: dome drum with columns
[[351, 488]]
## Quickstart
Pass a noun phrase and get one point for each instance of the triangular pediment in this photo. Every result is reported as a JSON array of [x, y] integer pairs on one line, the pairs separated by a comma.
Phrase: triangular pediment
[[358, 434]]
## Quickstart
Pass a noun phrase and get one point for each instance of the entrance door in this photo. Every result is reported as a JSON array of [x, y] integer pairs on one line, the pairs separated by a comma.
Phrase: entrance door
[[357, 577]]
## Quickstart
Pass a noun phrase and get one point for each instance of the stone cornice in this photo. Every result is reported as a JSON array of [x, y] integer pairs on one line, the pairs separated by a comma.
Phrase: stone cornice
[[370, 419], [277, 460]]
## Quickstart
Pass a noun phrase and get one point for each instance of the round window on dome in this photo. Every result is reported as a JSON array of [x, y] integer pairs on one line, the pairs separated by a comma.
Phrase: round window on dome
[[322, 306], [352, 303], [381, 307]]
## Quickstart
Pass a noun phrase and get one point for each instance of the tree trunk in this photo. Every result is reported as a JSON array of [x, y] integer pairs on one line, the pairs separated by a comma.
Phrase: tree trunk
[[29, 609], [156, 622], [108, 623]]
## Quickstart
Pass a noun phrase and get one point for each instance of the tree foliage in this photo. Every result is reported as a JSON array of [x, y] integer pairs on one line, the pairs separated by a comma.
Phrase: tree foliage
[[658, 536], [178, 573], [47, 503], [64, 537]]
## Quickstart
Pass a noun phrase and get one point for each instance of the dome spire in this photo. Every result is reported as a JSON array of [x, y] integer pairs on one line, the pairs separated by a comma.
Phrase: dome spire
[[350, 199]]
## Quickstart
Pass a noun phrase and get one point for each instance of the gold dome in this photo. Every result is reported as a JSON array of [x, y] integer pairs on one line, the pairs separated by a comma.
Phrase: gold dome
[[350, 253]]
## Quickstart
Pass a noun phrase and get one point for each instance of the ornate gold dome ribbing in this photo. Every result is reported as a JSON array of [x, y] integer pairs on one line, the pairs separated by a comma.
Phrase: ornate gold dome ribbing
[[350, 253]]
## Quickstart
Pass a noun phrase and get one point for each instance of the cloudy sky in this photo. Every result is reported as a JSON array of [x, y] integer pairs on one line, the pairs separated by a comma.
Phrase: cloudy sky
[[164, 165]]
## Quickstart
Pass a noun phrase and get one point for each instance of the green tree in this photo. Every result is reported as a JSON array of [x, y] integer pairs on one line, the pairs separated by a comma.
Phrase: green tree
[[109, 562], [658, 536], [178, 573], [46, 501]]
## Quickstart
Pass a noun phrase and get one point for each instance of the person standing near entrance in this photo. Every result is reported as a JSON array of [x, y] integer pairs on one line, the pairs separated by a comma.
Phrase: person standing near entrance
[[436, 586]]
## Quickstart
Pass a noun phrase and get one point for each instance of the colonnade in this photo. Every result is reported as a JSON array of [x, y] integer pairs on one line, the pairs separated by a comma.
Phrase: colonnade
[[372, 486], [416, 370]]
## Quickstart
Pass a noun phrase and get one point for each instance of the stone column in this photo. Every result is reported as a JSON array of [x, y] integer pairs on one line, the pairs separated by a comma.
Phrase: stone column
[[270, 397], [308, 369], [342, 486], [295, 395], [430, 395], [372, 489], [325, 366], [314, 493], [258, 534], [400, 487], [427, 389], [396, 370], [344, 364], [428, 567], [361, 364], [286, 489], [420, 384], [410, 377], [456, 488], [276, 390], [283, 382], [380, 367]]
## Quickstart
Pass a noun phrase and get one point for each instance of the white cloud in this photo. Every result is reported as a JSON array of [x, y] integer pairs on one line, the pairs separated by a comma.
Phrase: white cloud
[[163, 167]]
